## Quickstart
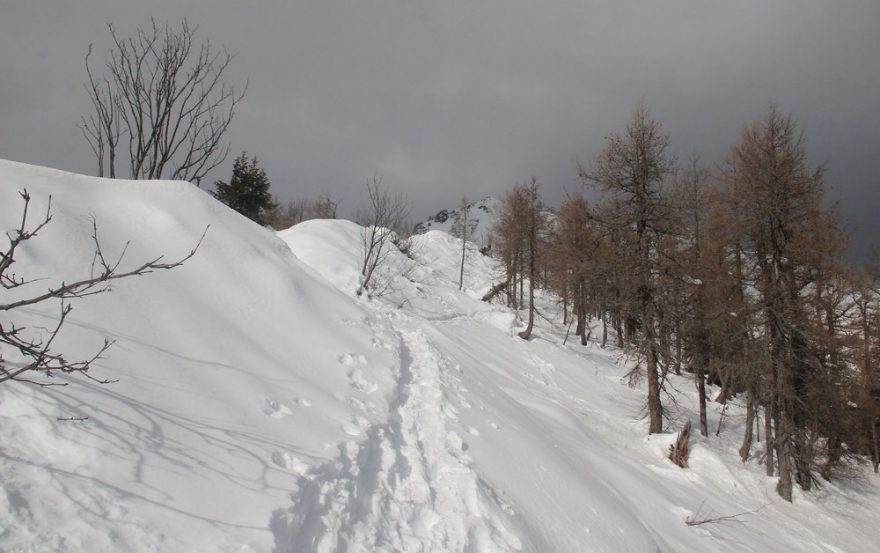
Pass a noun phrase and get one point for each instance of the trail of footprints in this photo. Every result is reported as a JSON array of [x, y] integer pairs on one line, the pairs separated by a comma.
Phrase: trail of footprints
[[408, 486]]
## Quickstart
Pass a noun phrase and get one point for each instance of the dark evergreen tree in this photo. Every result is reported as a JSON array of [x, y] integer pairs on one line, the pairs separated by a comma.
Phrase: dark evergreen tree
[[248, 190]]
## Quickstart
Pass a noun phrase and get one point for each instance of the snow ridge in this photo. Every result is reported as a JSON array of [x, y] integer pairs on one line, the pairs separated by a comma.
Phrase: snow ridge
[[408, 487]]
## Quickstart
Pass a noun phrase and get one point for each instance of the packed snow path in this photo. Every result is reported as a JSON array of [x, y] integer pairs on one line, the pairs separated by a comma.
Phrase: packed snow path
[[408, 487]]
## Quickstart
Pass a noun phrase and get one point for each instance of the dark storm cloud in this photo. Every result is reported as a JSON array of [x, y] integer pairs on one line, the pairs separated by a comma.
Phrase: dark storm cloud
[[453, 97]]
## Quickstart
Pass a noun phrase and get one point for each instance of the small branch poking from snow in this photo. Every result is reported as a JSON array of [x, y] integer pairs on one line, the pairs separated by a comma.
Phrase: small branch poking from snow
[[696, 519], [72, 419]]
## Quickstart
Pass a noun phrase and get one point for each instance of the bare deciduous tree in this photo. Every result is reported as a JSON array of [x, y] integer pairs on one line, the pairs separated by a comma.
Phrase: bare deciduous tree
[[164, 95], [34, 354], [463, 226], [383, 222]]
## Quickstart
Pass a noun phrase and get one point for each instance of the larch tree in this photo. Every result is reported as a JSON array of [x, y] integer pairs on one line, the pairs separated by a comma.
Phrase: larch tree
[[633, 169], [520, 237], [574, 260], [509, 240], [691, 198], [535, 226], [778, 198]]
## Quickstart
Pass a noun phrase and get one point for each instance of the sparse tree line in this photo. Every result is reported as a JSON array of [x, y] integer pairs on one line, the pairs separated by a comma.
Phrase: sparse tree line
[[734, 275]]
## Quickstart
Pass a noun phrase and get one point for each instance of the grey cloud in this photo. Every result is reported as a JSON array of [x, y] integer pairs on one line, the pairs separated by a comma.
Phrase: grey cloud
[[445, 98]]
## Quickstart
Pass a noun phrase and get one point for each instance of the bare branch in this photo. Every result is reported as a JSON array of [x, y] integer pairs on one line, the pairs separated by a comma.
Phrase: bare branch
[[168, 95], [36, 345], [383, 222], [696, 519]]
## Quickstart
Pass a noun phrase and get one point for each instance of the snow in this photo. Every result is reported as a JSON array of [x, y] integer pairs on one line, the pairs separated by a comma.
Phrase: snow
[[483, 212], [262, 406]]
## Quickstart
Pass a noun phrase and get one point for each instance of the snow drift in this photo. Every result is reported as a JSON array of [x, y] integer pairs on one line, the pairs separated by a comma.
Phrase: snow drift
[[262, 406]]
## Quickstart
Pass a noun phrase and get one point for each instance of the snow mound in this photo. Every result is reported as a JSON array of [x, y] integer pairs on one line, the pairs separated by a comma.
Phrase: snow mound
[[228, 368]]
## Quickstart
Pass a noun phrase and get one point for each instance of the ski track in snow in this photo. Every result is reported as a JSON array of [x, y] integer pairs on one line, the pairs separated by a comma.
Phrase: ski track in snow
[[408, 487]]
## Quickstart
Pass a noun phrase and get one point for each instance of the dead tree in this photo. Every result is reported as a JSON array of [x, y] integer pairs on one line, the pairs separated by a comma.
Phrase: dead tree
[[678, 452], [164, 95], [495, 290], [34, 359]]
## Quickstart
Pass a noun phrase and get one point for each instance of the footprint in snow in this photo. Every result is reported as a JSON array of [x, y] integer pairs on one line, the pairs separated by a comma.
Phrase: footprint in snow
[[274, 409], [358, 381], [356, 427], [290, 462], [351, 429], [350, 359]]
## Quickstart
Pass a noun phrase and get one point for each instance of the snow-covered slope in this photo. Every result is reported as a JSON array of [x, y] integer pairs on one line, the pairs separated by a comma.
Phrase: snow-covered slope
[[552, 437], [262, 406], [235, 373]]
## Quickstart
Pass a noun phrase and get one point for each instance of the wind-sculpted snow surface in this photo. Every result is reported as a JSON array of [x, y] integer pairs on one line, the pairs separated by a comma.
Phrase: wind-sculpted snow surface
[[262, 406]]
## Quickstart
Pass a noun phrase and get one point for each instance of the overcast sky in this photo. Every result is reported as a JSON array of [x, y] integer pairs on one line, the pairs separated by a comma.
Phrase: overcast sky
[[448, 97]]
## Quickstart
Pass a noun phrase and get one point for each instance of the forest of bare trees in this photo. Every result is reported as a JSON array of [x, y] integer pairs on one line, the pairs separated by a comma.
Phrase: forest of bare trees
[[733, 275]]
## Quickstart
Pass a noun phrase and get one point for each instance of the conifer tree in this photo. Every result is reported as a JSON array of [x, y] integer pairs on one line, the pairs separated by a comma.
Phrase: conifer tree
[[247, 192]]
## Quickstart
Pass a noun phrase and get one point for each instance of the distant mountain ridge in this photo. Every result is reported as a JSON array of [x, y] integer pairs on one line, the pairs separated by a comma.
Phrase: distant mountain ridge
[[484, 211]]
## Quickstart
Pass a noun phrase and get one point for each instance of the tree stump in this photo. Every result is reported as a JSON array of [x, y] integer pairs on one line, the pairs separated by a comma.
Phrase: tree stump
[[678, 452]]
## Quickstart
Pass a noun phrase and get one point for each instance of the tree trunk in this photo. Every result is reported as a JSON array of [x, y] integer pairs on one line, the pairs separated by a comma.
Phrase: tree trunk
[[875, 424], [655, 408], [835, 452], [604, 329], [495, 290], [565, 306], [525, 334], [783, 454], [678, 452], [463, 250], [678, 349], [581, 314], [701, 393], [769, 438], [746, 448]]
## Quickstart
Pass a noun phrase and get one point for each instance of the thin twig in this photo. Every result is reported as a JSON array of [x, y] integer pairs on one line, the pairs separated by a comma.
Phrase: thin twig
[[693, 521]]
